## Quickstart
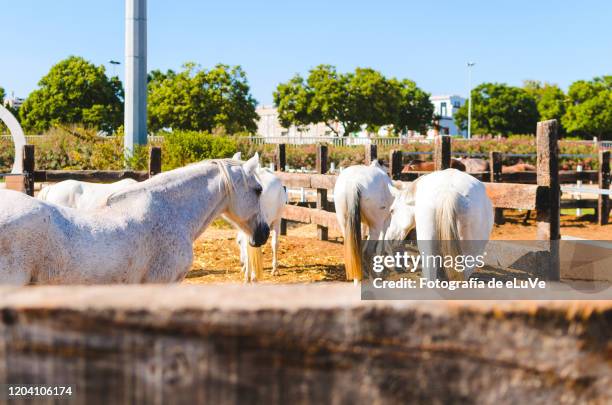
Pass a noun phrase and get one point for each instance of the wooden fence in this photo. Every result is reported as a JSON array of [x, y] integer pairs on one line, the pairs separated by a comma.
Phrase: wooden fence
[[543, 197], [442, 158], [25, 182]]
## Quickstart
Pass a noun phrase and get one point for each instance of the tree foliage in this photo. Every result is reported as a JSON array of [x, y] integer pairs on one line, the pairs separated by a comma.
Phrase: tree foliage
[[550, 99], [201, 100], [74, 91], [500, 109], [355, 99], [590, 108]]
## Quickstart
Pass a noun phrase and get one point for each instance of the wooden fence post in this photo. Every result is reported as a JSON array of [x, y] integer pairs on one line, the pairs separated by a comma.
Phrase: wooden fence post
[[395, 164], [495, 170], [322, 231], [29, 166], [603, 201], [371, 153], [281, 165], [155, 161], [549, 203], [442, 152], [281, 157]]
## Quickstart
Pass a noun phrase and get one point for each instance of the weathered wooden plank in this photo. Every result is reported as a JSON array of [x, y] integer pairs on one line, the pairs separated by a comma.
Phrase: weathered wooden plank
[[515, 196], [572, 176], [281, 157], [295, 179], [371, 153], [95, 176], [442, 152], [495, 176], [548, 221], [549, 198], [270, 344], [280, 163], [395, 164], [310, 216], [155, 161], [321, 191], [326, 181], [15, 182], [603, 201], [569, 204], [29, 167]]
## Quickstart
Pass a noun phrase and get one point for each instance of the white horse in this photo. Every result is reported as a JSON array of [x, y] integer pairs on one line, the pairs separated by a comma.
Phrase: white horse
[[447, 207], [361, 194], [81, 194], [143, 234], [273, 200]]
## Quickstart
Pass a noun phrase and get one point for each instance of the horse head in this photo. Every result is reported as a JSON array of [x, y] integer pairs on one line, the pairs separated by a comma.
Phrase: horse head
[[244, 191]]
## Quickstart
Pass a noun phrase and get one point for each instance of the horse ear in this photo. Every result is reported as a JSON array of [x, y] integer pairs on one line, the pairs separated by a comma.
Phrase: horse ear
[[251, 164], [375, 163], [237, 156]]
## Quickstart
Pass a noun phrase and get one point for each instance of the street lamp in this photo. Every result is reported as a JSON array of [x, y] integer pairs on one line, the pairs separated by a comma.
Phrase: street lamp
[[115, 63], [469, 66]]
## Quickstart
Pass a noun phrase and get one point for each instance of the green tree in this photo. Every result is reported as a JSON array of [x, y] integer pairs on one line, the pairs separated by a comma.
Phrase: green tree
[[293, 100], [74, 91], [500, 109], [201, 100], [589, 112], [414, 109], [550, 99], [3, 128], [356, 99]]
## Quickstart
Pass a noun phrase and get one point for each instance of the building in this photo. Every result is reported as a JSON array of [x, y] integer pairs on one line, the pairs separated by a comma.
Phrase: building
[[13, 102], [268, 125], [445, 107]]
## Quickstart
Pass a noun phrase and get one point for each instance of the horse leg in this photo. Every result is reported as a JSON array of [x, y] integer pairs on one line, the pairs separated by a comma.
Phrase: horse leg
[[526, 218], [244, 260], [275, 234]]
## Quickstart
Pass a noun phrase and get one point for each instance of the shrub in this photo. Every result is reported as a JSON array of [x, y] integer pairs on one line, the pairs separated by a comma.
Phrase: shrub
[[184, 147]]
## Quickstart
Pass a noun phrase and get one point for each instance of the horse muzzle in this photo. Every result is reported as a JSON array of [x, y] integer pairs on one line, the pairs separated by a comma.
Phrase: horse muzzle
[[260, 236]]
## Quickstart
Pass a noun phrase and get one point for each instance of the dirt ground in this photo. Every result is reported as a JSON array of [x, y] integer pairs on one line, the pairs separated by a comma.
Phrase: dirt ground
[[304, 259]]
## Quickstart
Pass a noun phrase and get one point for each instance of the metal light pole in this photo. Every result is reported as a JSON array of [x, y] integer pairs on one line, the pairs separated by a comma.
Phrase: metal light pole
[[135, 120], [115, 63], [469, 66]]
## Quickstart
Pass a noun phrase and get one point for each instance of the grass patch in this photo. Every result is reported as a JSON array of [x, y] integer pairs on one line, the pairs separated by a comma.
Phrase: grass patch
[[572, 211]]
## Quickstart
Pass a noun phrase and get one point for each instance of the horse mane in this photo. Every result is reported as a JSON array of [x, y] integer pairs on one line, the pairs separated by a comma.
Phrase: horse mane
[[222, 164]]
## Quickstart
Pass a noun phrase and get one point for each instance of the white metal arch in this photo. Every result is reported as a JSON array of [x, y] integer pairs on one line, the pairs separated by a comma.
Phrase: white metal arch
[[18, 137]]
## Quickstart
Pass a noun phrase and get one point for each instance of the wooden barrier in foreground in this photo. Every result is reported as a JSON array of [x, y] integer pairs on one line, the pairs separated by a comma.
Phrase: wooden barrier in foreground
[[307, 344]]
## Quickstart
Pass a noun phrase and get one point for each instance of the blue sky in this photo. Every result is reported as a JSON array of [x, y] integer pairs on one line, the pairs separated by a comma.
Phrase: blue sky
[[427, 41]]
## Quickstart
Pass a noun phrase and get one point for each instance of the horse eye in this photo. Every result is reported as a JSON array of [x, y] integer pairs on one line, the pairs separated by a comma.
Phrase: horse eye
[[258, 190]]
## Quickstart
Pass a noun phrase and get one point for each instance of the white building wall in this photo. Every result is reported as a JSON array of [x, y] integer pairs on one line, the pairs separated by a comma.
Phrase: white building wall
[[269, 126], [446, 106]]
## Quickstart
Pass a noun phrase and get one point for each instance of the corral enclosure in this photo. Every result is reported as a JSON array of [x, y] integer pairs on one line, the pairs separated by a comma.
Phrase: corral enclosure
[[278, 343]]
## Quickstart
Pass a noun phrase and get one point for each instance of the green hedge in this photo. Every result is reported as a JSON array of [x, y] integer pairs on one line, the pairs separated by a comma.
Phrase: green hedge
[[80, 149]]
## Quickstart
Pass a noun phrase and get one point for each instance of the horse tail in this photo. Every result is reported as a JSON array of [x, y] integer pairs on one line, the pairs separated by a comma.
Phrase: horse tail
[[352, 234], [255, 261], [43, 193], [447, 233]]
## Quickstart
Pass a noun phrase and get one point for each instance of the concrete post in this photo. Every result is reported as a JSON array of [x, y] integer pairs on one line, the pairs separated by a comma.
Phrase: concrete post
[[135, 121]]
